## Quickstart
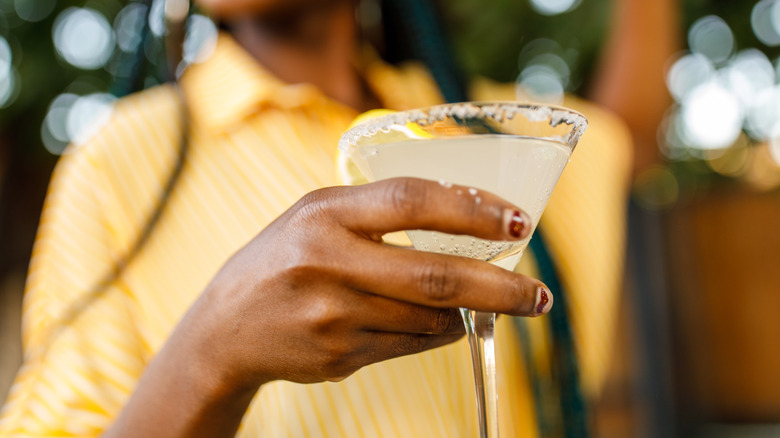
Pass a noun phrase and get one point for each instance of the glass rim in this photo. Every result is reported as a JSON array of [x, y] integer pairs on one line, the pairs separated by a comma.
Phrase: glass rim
[[496, 110]]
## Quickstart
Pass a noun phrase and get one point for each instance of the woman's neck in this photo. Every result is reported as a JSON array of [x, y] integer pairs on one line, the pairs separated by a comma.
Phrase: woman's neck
[[316, 46]]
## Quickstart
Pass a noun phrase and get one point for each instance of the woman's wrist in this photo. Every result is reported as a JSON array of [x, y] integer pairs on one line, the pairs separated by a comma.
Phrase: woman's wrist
[[212, 361], [189, 388]]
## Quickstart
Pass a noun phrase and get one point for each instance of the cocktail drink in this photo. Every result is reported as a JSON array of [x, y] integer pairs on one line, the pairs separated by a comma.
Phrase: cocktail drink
[[516, 151]]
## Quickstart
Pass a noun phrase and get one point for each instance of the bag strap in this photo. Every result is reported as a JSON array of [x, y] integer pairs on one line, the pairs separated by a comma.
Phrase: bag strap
[[565, 366]]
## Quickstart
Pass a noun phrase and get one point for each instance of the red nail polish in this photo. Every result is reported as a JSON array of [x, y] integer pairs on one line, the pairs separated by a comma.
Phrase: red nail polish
[[516, 224], [543, 300]]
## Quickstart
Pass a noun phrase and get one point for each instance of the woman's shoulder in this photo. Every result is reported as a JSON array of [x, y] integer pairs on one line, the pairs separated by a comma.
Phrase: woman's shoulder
[[125, 163], [141, 123], [159, 101], [132, 153]]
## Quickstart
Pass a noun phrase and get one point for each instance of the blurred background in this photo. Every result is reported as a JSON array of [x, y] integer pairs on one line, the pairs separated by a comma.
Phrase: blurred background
[[699, 341]]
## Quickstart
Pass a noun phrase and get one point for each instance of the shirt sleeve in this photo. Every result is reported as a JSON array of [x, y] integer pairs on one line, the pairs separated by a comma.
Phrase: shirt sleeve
[[82, 356]]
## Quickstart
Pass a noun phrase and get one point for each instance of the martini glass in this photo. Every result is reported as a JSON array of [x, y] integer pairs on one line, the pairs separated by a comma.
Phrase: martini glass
[[514, 150]]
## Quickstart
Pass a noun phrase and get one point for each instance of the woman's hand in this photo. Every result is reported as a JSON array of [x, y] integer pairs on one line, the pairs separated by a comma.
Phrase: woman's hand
[[317, 295]]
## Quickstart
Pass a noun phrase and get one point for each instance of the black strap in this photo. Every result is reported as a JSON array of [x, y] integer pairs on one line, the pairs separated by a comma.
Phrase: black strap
[[120, 88], [564, 360], [413, 30]]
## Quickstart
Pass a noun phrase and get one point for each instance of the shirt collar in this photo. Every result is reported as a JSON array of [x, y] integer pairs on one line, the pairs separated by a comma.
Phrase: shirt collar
[[230, 86]]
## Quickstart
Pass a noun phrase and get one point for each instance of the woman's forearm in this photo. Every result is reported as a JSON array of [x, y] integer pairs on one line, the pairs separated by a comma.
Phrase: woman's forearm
[[183, 392]]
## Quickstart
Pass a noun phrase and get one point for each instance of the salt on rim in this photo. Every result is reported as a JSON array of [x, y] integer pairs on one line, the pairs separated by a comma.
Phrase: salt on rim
[[497, 111]]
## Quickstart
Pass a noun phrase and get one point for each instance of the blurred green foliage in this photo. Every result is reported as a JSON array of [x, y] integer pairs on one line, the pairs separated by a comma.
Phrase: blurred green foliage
[[43, 74], [735, 13], [490, 36]]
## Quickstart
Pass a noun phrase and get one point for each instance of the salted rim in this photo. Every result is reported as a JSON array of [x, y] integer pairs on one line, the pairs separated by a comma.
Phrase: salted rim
[[494, 110]]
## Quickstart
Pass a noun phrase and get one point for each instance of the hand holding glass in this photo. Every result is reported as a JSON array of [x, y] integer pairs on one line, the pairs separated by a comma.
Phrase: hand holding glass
[[516, 151]]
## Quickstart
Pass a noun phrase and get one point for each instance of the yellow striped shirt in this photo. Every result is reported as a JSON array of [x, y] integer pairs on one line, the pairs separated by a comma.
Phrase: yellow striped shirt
[[257, 145]]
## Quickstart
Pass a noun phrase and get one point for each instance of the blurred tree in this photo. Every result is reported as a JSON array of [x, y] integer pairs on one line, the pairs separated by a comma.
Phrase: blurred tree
[[492, 38]]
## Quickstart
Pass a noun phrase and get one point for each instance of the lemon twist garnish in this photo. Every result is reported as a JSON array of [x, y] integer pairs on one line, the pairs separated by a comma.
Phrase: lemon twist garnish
[[349, 174]]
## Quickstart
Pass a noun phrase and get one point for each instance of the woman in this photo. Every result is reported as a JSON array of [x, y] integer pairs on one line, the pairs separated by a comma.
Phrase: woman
[[252, 281]]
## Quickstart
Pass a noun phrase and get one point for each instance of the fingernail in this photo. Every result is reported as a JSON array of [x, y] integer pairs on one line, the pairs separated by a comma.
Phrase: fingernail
[[518, 223], [544, 300]]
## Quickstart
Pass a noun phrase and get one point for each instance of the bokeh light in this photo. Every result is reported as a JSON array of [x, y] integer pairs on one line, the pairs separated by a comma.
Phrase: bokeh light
[[128, 25], [711, 37], [554, 7], [54, 131], [9, 88], [765, 20], [720, 95], [749, 74], [87, 115], [545, 71], [711, 116], [83, 37], [200, 40], [777, 69], [6, 57], [540, 83], [555, 63], [9, 82], [687, 72], [74, 119], [157, 18], [763, 121], [34, 10]]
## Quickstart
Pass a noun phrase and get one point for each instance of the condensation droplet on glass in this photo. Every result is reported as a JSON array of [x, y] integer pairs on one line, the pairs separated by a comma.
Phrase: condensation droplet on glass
[[445, 184], [473, 191], [478, 200]]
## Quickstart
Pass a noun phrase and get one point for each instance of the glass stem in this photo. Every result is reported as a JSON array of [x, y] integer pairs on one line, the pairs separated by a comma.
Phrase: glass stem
[[479, 329]]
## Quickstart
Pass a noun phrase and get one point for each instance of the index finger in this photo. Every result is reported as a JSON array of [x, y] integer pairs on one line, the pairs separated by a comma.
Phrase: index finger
[[416, 204]]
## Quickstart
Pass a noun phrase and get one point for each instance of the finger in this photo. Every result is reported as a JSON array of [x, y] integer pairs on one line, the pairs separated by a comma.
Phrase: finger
[[377, 346], [388, 315], [384, 346], [411, 203], [442, 281]]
